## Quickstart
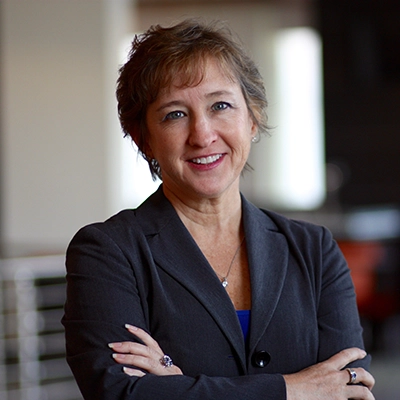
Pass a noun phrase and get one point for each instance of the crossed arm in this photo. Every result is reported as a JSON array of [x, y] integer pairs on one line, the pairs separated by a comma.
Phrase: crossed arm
[[325, 380]]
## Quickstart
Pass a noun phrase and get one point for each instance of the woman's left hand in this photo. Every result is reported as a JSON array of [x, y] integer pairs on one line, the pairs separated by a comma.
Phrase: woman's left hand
[[148, 357]]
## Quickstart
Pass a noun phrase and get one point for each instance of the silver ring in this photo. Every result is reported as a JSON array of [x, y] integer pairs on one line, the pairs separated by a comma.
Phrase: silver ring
[[353, 376], [166, 361]]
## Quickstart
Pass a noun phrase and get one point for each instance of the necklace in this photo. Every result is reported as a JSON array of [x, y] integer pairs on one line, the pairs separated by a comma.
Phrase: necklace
[[224, 280]]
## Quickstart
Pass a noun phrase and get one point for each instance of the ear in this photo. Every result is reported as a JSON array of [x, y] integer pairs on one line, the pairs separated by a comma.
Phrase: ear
[[253, 127], [148, 152], [145, 144]]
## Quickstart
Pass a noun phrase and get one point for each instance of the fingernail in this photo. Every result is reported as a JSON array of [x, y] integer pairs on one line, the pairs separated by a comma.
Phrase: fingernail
[[131, 327], [118, 355], [113, 345], [133, 372], [127, 370]]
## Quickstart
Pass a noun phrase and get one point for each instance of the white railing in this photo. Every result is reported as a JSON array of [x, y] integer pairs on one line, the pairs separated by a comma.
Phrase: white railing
[[32, 351]]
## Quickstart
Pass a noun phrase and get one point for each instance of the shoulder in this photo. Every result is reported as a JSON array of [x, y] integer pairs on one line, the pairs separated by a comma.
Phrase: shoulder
[[309, 243], [115, 241], [298, 229], [313, 246], [109, 240], [292, 229], [117, 225], [148, 218]]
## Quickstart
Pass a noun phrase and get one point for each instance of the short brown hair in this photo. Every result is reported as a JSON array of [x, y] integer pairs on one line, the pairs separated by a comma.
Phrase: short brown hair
[[160, 54]]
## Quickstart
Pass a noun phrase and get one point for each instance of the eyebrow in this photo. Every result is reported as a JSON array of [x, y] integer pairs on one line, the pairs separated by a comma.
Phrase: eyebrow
[[169, 104], [219, 93], [179, 102]]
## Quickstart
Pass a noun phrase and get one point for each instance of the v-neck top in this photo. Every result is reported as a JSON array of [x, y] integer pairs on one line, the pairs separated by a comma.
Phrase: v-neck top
[[244, 319]]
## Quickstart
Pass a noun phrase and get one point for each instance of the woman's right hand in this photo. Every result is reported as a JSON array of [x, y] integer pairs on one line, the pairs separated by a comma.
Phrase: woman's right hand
[[328, 379], [146, 357]]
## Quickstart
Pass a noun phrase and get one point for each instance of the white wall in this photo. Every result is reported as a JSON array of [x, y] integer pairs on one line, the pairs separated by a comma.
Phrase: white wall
[[61, 143], [58, 68]]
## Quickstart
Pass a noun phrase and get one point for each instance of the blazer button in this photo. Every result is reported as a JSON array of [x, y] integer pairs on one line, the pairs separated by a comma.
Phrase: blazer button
[[261, 358]]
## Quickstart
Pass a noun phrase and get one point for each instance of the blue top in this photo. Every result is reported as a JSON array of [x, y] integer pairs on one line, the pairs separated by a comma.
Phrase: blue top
[[244, 319]]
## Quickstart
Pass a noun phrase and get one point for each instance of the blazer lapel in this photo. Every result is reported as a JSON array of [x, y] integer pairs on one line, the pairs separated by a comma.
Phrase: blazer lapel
[[268, 259], [184, 261]]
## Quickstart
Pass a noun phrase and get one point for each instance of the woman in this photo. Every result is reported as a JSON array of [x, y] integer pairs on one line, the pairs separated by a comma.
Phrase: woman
[[198, 294]]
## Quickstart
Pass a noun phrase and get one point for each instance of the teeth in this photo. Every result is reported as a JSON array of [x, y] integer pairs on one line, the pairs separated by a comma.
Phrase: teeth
[[207, 160]]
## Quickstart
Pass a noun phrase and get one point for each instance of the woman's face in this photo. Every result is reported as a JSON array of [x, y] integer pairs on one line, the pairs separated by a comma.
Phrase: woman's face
[[201, 135]]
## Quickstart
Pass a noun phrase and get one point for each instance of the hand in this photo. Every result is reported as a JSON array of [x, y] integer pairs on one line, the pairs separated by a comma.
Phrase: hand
[[145, 356], [328, 379]]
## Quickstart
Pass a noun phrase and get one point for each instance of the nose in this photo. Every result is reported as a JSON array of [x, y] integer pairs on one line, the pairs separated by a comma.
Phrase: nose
[[201, 131]]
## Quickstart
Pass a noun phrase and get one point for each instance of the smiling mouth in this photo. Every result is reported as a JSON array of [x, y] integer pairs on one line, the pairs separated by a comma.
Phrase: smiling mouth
[[206, 160]]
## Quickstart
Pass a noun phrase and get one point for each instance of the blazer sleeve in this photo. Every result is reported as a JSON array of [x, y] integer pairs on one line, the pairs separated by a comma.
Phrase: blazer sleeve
[[319, 274], [102, 295], [338, 318]]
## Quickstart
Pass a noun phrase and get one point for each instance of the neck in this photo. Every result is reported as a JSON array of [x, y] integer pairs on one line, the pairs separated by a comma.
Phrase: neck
[[209, 218]]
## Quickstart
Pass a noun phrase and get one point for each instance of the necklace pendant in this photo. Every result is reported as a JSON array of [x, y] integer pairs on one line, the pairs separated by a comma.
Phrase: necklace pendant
[[224, 282]]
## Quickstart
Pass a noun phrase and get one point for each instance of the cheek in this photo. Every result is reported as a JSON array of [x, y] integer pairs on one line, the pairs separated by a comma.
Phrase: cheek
[[246, 149], [165, 147], [165, 150], [156, 141]]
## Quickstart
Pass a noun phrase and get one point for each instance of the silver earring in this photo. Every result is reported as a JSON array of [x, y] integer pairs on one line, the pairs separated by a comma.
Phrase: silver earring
[[254, 139]]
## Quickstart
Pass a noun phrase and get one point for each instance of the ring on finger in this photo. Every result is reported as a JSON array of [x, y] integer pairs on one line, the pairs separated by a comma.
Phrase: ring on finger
[[166, 361], [353, 375]]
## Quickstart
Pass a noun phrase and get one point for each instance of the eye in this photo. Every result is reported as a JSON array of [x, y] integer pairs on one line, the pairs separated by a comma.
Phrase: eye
[[174, 115], [221, 105]]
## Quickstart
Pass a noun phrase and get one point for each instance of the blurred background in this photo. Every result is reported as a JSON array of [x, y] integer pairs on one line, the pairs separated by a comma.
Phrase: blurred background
[[332, 75]]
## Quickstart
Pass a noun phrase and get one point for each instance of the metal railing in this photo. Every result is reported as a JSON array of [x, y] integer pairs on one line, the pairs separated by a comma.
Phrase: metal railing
[[32, 350]]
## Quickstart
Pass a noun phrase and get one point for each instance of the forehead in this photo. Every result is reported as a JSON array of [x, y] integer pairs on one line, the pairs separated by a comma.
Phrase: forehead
[[208, 71]]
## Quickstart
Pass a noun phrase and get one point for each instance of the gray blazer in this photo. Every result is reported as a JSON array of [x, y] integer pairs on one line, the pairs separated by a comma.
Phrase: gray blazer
[[142, 267]]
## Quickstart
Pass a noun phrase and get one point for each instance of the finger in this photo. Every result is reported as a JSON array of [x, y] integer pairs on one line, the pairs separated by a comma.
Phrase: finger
[[359, 393], [147, 364], [143, 336], [362, 376], [133, 372], [137, 355], [129, 359], [135, 348], [346, 356]]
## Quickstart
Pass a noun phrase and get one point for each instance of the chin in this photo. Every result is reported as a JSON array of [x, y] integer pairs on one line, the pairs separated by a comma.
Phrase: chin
[[215, 190]]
